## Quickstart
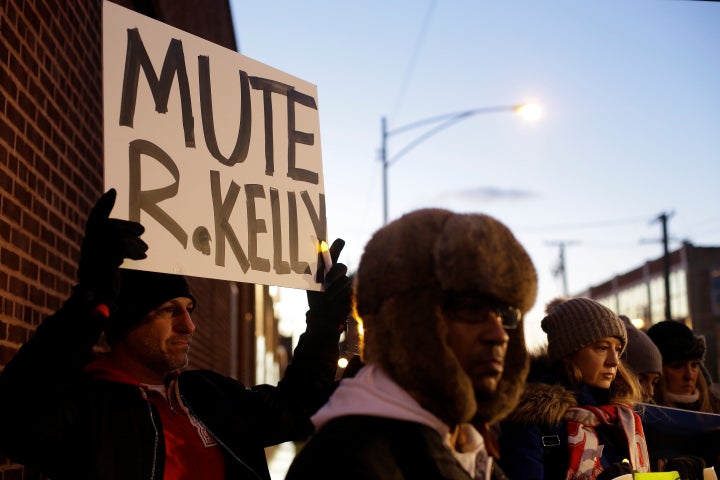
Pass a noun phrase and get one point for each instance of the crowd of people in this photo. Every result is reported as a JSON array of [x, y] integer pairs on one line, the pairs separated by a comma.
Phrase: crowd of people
[[443, 386]]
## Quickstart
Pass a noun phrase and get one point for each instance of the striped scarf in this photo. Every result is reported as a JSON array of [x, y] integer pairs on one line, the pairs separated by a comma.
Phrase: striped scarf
[[583, 444]]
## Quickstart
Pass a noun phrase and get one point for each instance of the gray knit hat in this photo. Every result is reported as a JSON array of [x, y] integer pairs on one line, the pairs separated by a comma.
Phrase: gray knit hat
[[641, 354], [577, 322]]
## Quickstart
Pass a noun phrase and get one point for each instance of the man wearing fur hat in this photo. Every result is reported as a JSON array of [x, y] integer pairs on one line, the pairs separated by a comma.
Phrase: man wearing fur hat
[[132, 414], [441, 297]]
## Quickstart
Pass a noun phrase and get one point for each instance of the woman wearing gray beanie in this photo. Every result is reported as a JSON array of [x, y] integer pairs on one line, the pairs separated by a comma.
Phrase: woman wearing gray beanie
[[575, 419]]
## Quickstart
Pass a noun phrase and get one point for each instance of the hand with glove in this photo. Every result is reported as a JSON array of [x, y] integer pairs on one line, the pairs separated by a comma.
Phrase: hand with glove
[[688, 466], [330, 308], [108, 241], [615, 470]]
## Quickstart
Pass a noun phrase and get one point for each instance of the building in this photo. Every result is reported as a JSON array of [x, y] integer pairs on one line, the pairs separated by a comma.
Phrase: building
[[694, 283], [51, 174]]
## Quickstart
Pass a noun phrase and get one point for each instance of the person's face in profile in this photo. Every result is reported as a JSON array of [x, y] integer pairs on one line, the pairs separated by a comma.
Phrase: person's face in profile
[[648, 380], [598, 361], [477, 335], [161, 342]]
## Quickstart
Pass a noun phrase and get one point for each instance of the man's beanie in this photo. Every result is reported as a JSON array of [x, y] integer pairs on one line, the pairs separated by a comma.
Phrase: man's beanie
[[140, 293], [641, 354], [400, 283], [572, 324], [676, 341]]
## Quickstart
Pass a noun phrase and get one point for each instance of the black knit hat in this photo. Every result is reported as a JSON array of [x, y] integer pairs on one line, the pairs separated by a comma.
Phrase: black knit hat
[[575, 323], [676, 341], [140, 293]]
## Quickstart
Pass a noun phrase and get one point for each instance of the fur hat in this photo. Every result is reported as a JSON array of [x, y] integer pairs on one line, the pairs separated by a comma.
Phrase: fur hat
[[400, 283], [572, 324], [641, 354], [676, 341], [140, 293]]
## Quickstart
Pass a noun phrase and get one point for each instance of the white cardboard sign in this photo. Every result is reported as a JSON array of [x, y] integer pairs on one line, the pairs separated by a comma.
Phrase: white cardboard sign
[[216, 154]]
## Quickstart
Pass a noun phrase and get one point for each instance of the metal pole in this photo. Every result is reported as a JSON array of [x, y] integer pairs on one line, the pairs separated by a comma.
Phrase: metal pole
[[383, 157], [666, 265], [562, 269]]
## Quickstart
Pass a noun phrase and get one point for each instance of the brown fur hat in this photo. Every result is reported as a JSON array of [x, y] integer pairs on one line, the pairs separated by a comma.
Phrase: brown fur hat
[[404, 271]]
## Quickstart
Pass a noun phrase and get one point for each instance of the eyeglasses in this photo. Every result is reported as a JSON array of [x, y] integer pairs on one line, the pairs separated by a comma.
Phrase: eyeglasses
[[471, 307]]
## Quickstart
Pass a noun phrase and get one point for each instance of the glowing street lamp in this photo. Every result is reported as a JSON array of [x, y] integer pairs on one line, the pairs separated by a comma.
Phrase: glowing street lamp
[[528, 111]]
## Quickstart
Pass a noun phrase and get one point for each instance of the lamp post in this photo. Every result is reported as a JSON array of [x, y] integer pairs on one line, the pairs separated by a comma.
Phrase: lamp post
[[441, 122]]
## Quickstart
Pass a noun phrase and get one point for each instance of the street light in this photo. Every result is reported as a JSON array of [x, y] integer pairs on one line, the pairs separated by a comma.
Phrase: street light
[[530, 111]]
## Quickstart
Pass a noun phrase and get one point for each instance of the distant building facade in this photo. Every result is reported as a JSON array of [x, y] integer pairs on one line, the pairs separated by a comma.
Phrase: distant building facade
[[694, 276]]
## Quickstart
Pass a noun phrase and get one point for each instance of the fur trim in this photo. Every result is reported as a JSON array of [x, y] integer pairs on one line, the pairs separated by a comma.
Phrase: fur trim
[[543, 404]]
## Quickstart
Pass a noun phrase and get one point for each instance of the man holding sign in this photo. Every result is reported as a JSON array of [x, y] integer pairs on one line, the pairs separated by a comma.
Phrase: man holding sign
[[132, 414]]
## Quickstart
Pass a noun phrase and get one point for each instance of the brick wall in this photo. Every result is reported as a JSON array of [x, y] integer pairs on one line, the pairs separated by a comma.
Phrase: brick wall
[[50, 159], [51, 167], [50, 154]]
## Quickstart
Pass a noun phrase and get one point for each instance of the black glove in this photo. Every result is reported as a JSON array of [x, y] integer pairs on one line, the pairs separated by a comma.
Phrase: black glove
[[107, 242], [615, 470], [689, 467], [331, 307]]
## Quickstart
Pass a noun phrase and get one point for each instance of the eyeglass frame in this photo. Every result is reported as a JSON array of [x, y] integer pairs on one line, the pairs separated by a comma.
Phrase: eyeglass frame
[[459, 302]]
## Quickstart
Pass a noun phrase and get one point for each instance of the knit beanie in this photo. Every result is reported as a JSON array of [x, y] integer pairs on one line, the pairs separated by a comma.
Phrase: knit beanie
[[140, 293], [641, 354], [676, 341], [405, 270], [577, 322]]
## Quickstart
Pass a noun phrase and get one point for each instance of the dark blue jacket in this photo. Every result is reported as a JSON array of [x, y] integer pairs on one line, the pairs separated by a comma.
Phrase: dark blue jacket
[[533, 439]]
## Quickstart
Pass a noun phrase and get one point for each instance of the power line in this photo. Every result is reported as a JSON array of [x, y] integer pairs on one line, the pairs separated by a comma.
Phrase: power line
[[578, 226], [413, 59]]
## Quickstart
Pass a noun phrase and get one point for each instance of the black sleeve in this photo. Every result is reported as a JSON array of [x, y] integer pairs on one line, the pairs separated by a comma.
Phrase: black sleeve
[[35, 384]]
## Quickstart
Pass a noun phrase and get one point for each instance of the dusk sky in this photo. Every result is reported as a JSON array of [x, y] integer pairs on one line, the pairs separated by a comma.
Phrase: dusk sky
[[630, 126]]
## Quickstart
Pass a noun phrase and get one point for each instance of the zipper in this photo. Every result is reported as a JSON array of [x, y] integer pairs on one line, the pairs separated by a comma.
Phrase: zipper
[[220, 442], [157, 435]]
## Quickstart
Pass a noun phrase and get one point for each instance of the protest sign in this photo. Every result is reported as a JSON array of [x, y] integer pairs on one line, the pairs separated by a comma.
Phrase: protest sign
[[672, 432], [216, 154]]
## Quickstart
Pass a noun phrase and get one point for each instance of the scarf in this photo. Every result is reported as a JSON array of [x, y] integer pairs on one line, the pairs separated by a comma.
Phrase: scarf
[[583, 444], [678, 398]]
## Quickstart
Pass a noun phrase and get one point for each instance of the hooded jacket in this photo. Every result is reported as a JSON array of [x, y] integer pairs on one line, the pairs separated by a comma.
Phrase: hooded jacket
[[404, 272], [68, 424]]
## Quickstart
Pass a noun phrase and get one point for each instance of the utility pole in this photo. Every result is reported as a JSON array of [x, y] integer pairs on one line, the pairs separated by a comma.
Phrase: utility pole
[[663, 219], [561, 269]]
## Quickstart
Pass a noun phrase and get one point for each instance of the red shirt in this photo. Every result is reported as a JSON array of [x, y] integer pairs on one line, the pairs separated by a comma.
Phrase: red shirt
[[191, 452]]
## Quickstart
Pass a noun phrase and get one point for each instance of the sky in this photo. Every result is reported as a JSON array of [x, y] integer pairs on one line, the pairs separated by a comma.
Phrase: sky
[[630, 125]]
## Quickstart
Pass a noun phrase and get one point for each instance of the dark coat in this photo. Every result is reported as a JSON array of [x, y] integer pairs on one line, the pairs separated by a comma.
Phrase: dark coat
[[533, 438], [68, 425], [378, 449]]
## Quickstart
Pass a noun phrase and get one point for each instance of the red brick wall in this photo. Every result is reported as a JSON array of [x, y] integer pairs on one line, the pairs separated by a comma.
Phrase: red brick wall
[[50, 154], [50, 159], [51, 167]]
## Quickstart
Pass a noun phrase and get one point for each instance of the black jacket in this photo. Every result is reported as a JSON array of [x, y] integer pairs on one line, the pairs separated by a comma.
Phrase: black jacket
[[377, 449], [69, 425]]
